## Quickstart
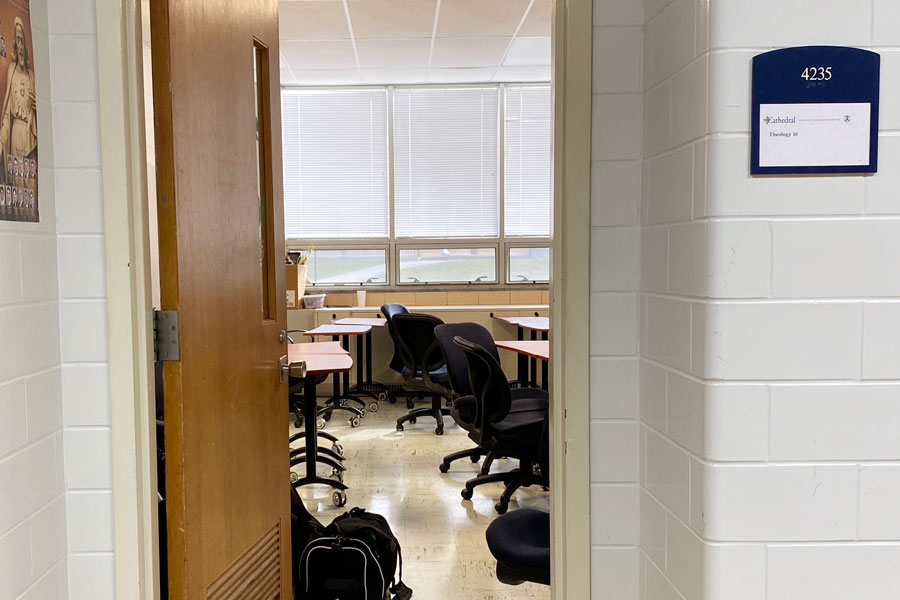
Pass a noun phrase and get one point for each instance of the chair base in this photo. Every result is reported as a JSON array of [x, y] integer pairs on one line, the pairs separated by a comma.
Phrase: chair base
[[521, 477], [473, 454], [436, 411], [511, 576]]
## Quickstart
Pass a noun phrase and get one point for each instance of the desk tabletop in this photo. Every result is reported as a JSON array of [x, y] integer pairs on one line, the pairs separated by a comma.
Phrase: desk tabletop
[[339, 330], [317, 364], [533, 348], [361, 321], [535, 323], [301, 351]]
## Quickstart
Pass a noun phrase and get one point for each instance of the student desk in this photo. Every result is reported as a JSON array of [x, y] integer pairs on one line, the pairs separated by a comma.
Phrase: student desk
[[318, 364], [336, 332], [535, 349], [535, 325], [369, 386]]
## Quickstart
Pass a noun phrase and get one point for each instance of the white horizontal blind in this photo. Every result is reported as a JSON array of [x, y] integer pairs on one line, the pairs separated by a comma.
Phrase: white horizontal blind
[[446, 153], [335, 163], [527, 154]]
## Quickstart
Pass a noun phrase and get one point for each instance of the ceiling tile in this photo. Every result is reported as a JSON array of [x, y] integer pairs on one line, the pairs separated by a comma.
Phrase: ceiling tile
[[480, 18], [511, 74], [465, 75], [528, 51], [394, 76], [313, 20], [473, 52], [538, 20], [392, 19], [319, 55], [325, 77], [391, 54]]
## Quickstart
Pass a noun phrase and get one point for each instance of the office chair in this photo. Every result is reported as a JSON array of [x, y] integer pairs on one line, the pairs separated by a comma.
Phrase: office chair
[[523, 399], [495, 428], [424, 371], [389, 311], [520, 540]]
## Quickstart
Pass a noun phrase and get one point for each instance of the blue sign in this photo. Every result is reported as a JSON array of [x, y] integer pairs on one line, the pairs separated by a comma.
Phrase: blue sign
[[815, 110]]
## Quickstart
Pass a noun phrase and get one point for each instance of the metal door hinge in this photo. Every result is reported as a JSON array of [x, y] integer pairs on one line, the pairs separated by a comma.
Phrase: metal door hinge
[[165, 335]]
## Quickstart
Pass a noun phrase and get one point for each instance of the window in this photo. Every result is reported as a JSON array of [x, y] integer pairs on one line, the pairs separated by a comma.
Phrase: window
[[448, 265], [335, 164], [420, 185], [527, 154], [330, 267], [445, 162]]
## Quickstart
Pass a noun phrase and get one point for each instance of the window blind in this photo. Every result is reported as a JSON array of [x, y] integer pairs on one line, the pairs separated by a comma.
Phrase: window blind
[[335, 163], [528, 159], [446, 152]]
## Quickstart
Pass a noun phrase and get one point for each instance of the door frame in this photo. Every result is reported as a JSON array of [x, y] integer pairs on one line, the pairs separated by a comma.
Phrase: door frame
[[124, 160]]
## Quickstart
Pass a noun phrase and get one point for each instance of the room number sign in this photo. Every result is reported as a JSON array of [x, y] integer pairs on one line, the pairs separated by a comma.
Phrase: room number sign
[[815, 110]]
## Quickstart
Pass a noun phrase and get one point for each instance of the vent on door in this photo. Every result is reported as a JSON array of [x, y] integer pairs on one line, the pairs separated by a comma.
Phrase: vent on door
[[254, 576]]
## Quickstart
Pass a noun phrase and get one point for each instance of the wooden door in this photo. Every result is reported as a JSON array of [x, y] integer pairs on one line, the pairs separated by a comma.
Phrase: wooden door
[[219, 200]]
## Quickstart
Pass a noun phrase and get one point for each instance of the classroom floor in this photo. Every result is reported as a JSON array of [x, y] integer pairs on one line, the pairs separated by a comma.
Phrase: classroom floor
[[395, 474]]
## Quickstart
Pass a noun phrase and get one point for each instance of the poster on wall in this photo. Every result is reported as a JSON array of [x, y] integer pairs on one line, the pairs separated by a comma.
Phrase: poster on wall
[[18, 117]]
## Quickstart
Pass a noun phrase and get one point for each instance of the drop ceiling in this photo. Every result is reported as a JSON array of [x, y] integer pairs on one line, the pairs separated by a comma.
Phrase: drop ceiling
[[367, 42]]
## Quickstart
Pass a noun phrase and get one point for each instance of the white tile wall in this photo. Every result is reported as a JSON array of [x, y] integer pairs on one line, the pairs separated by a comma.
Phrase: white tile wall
[[834, 572]]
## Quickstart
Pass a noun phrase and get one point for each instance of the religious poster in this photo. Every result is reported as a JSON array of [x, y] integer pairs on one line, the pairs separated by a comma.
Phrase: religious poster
[[18, 114]]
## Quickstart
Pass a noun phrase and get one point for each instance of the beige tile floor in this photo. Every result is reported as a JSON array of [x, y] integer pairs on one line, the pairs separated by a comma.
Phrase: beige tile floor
[[396, 474]]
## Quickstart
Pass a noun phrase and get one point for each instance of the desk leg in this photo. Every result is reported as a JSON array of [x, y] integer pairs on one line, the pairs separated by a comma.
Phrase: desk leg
[[369, 357], [346, 345], [309, 417], [523, 361], [545, 380], [534, 363], [361, 358]]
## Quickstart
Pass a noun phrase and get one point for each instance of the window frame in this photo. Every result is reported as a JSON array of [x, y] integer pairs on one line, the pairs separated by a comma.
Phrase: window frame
[[392, 244]]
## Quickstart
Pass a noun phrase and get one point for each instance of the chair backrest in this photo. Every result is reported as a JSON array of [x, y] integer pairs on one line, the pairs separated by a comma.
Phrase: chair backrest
[[419, 348], [488, 383], [457, 366], [389, 311]]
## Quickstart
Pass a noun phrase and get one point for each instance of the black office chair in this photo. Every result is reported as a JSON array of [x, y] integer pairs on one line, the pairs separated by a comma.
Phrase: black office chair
[[523, 399], [496, 429], [424, 372], [520, 540]]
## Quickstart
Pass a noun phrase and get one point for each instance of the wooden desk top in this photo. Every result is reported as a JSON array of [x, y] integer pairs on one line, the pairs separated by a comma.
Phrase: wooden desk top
[[533, 348], [339, 330], [377, 323], [535, 323], [301, 351], [317, 364]]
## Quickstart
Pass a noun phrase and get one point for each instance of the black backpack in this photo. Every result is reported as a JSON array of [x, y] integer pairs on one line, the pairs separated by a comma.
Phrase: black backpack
[[355, 558]]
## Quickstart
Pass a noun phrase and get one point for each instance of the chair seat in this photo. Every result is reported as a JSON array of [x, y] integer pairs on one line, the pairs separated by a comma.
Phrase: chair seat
[[439, 375], [521, 541], [521, 426], [529, 399]]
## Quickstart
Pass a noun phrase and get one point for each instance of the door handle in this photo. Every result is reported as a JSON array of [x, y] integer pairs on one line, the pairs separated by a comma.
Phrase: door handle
[[286, 369]]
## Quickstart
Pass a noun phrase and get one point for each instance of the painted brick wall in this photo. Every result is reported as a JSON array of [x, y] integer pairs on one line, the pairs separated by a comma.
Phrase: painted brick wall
[[32, 492], [770, 308], [82, 291], [615, 284]]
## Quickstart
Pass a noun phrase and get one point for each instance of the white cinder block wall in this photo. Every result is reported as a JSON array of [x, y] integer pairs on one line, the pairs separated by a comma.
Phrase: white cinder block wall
[[32, 492], [770, 377], [615, 285], [82, 291]]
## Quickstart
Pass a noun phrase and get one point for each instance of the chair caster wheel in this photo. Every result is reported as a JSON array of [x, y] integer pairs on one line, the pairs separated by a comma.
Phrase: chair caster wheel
[[294, 477], [298, 423], [501, 508], [362, 413], [399, 427], [326, 416], [383, 396], [444, 468], [439, 431], [339, 498], [392, 399], [466, 493], [338, 448], [413, 420], [373, 407], [409, 403], [337, 475], [475, 458], [320, 423], [354, 422]]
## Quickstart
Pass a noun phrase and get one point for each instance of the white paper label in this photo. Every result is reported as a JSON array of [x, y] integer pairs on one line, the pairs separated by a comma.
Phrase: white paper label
[[814, 135], [291, 298]]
